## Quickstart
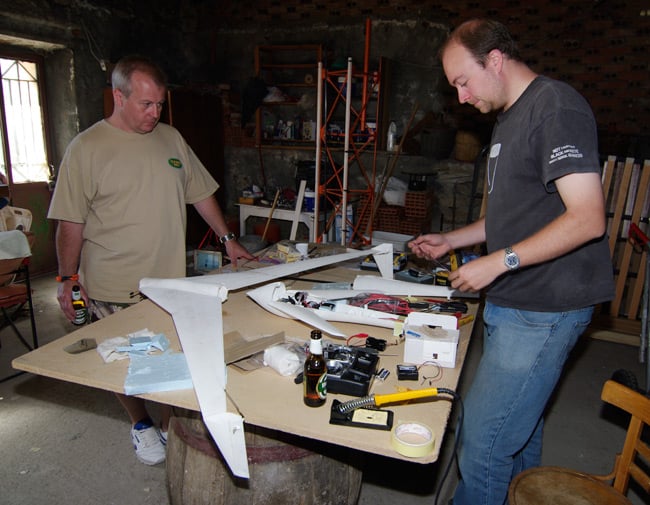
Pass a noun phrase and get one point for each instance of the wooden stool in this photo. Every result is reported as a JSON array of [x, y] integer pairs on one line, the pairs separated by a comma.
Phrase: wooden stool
[[560, 486]]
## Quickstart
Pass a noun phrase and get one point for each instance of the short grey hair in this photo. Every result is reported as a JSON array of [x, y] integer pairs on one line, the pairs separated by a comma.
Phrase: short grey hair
[[121, 76]]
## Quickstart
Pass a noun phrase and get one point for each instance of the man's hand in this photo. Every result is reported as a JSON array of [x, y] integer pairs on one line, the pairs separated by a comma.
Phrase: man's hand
[[235, 251], [479, 273], [431, 246], [64, 296]]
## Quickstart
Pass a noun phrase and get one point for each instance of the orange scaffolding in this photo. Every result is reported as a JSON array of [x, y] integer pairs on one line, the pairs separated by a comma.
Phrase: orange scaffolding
[[335, 197]]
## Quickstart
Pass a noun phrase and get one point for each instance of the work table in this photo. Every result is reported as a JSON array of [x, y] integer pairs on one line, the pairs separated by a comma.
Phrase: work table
[[263, 397]]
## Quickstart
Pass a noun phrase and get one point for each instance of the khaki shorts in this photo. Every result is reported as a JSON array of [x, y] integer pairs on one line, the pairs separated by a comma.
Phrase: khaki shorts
[[99, 310]]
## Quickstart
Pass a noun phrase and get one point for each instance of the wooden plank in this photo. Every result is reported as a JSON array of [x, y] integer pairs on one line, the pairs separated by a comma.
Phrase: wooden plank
[[637, 291], [615, 337], [617, 226], [619, 206], [607, 322], [635, 200], [642, 203], [608, 172], [296, 217]]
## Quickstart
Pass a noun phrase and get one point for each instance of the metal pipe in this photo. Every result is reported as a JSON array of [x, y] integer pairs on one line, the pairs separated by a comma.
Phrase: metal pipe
[[319, 121], [346, 155]]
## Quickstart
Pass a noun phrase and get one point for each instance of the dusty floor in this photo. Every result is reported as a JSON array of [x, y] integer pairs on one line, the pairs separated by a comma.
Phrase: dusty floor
[[67, 444]]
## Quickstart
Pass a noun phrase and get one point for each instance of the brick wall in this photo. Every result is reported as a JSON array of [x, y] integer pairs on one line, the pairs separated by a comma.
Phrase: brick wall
[[600, 46]]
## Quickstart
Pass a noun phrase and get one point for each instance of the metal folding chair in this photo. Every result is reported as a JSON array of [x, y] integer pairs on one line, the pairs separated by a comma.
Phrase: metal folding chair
[[16, 290]]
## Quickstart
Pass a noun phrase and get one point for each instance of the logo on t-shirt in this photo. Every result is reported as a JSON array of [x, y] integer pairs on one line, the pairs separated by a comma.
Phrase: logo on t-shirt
[[175, 163], [568, 151]]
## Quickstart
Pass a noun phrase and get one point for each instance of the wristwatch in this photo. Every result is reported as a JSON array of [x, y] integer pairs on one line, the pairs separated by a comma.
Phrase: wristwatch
[[227, 237], [511, 259]]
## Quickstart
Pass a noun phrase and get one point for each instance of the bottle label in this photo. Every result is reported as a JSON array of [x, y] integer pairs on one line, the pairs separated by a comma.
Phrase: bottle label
[[321, 386], [80, 312], [315, 346], [80, 316]]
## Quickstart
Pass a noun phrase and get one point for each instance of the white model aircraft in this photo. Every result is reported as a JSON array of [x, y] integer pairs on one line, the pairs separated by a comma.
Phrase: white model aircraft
[[195, 306], [317, 307]]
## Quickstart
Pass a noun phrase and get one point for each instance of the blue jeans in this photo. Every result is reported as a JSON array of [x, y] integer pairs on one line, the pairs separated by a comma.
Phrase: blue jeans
[[523, 356]]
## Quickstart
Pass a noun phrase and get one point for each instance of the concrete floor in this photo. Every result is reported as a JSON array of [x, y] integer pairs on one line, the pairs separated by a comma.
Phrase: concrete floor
[[67, 444]]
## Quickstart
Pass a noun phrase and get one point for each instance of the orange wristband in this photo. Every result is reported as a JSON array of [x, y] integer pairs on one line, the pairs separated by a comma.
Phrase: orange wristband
[[62, 278]]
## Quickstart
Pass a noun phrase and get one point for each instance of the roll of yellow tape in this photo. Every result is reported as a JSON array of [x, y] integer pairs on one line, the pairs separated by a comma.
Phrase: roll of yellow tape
[[411, 439]]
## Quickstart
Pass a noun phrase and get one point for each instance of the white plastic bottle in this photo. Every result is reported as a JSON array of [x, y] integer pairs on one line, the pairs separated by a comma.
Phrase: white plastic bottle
[[392, 135]]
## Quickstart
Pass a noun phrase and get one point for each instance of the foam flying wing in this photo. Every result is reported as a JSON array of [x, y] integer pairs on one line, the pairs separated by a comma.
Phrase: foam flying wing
[[195, 306]]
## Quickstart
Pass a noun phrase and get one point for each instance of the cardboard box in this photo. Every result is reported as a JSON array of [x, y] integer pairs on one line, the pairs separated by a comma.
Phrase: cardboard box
[[399, 241]]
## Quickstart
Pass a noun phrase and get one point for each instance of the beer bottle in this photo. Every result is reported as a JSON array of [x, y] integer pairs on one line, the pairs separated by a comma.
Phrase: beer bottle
[[79, 306], [315, 372]]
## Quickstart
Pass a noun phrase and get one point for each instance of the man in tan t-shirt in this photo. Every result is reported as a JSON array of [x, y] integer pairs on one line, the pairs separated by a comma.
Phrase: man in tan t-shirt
[[120, 204]]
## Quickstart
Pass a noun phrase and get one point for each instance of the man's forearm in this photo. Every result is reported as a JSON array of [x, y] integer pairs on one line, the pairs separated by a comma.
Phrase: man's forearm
[[211, 213], [69, 238], [467, 236]]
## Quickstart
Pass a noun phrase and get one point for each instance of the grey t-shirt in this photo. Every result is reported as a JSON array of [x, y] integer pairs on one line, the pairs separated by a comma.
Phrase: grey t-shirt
[[549, 132]]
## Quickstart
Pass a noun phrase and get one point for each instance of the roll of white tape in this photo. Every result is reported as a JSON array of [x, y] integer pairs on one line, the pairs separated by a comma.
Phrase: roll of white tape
[[413, 440]]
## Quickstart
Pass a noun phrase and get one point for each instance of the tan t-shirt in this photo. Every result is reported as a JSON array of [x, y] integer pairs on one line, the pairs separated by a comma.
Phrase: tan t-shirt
[[130, 191]]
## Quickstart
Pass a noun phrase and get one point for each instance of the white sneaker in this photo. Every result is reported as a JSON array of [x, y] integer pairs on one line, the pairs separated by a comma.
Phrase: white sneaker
[[146, 442], [163, 437]]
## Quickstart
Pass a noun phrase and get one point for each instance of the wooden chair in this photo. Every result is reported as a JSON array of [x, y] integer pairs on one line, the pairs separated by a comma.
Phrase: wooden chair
[[555, 485], [15, 294]]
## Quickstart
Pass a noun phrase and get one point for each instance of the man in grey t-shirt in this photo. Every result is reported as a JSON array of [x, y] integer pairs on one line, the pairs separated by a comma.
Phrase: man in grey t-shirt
[[547, 261]]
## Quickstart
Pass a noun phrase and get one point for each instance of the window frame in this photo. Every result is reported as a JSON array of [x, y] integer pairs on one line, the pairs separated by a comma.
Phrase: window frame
[[10, 52]]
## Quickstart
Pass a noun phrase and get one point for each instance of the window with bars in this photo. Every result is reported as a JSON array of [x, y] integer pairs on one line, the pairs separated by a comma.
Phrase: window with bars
[[23, 157]]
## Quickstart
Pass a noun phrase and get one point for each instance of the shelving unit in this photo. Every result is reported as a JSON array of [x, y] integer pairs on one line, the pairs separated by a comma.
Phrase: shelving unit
[[362, 113], [316, 108], [289, 120]]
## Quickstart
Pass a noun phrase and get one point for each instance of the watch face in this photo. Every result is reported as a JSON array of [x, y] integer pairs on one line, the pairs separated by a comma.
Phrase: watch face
[[511, 259]]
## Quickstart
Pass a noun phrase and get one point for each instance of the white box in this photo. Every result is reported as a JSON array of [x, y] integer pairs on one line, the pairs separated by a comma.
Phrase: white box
[[431, 338]]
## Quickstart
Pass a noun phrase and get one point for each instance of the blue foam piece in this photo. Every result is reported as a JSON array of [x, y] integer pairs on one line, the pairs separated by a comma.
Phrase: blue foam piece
[[153, 373]]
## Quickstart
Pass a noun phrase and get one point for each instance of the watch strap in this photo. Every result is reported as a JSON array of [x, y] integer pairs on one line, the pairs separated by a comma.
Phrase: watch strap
[[227, 237]]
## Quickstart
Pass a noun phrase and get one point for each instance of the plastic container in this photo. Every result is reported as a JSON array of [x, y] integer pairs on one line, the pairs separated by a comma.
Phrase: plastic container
[[309, 201], [337, 225], [392, 136]]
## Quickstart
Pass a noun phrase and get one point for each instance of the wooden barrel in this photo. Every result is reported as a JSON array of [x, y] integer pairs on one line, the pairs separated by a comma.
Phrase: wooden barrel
[[284, 469]]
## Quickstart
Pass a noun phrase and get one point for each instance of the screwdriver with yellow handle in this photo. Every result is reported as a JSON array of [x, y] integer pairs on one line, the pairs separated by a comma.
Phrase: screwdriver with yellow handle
[[378, 400], [453, 260]]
